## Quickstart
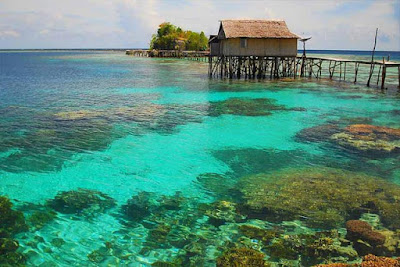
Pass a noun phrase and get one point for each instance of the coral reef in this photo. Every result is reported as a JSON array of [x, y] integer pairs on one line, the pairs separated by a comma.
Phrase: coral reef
[[367, 261], [81, 201], [254, 232], [77, 115], [374, 261], [171, 202], [143, 113], [47, 146], [221, 212], [39, 218], [369, 138], [11, 221], [241, 257], [318, 133], [311, 249], [139, 206], [9, 255], [322, 197], [366, 240], [246, 107], [357, 229]]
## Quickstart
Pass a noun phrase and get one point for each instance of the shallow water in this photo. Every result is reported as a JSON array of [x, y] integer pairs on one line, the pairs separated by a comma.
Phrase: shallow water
[[123, 125]]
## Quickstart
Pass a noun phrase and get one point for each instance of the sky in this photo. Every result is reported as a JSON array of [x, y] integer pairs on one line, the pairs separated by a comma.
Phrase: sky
[[333, 24]]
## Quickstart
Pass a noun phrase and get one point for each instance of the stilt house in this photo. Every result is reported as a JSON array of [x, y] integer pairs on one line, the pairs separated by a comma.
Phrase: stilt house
[[253, 38]]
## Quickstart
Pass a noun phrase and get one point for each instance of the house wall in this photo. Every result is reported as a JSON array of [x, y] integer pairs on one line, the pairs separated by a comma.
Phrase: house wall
[[214, 49], [259, 47]]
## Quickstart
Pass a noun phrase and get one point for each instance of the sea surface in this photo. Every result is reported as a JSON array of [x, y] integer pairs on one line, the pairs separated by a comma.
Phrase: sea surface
[[124, 161]]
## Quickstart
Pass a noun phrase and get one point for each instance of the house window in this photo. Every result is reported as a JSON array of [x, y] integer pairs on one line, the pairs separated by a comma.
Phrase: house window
[[243, 42]]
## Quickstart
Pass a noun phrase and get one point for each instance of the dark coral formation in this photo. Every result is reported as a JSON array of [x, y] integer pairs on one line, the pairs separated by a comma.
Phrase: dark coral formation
[[318, 133], [139, 206], [367, 240], [322, 197], [246, 107], [8, 253], [61, 138], [40, 218], [81, 201], [357, 229], [241, 257], [11, 223]]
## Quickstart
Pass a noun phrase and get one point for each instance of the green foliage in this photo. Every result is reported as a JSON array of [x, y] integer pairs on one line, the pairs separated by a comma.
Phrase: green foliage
[[170, 37]]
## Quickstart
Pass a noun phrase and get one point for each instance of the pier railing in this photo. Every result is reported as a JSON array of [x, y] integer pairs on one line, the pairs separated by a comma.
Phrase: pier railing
[[261, 67]]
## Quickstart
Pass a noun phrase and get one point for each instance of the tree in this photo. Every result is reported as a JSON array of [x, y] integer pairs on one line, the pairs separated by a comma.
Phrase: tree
[[170, 37]]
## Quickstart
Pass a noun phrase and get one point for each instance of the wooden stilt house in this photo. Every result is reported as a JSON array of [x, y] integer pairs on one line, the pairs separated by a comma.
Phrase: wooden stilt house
[[249, 47], [254, 38]]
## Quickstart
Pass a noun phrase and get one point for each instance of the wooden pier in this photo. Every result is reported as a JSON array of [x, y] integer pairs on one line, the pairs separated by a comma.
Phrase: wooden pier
[[190, 55], [251, 67], [260, 67]]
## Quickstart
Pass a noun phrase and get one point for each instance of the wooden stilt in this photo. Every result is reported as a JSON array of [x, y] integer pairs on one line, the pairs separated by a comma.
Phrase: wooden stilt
[[356, 65], [379, 74], [239, 66], [398, 73], [383, 74], [230, 68], [210, 66]]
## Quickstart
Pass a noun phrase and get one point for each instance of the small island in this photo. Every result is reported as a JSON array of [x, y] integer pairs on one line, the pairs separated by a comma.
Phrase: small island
[[173, 41]]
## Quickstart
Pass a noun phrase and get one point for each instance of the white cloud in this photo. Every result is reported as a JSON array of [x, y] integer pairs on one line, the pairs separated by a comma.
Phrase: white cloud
[[9, 33], [344, 24]]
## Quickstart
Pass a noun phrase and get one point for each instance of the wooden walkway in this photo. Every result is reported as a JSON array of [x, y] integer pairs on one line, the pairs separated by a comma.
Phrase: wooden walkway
[[191, 55], [313, 66], [277, 67]]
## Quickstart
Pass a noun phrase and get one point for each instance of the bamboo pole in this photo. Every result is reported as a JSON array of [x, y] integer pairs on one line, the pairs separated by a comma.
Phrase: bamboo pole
[[356, 65], [379, 74], [398, 73], [371, 70], [383, 74]]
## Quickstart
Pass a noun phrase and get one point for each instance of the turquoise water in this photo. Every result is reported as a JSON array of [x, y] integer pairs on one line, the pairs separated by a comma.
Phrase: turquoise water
[[122, 125]]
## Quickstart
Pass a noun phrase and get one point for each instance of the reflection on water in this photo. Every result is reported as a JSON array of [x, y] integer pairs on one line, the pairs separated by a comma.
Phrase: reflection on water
[[108, 160]]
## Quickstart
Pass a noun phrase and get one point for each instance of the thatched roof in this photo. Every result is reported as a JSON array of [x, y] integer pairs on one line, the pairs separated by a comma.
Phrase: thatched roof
[[255, 29]]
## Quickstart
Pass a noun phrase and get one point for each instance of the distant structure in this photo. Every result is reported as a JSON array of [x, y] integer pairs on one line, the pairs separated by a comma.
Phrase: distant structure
[[249, 47]]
